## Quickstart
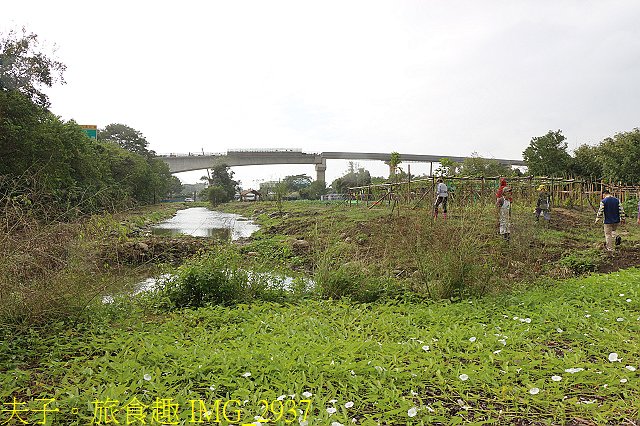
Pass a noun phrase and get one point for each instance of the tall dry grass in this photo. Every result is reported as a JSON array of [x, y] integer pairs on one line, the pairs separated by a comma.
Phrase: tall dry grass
[[47, 270]]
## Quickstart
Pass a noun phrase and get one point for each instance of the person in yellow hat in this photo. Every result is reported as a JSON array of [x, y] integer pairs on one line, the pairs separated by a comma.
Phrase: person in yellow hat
[[543, 205]]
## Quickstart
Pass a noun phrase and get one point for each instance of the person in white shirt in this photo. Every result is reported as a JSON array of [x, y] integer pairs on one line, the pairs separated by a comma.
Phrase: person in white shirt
[[503, 205], [442, 194]]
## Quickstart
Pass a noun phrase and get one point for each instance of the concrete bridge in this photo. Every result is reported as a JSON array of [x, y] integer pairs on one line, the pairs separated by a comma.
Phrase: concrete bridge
[[253, 157]]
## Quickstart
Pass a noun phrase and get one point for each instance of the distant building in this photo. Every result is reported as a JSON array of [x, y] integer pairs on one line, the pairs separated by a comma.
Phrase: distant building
[[332, 197], [250, 195]]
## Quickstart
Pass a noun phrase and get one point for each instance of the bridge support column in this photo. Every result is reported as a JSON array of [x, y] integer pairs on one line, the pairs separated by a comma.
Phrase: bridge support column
[[321, 168]]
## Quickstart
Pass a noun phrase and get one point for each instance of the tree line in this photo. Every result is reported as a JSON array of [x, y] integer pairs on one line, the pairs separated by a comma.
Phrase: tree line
[[46, 160], [614, 159]]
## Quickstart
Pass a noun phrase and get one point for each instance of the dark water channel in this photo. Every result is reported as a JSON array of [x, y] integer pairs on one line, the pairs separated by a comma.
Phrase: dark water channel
[[202, 222]]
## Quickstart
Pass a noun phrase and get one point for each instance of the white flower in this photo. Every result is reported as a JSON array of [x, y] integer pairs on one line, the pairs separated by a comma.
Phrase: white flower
[[587, 316], [574, 370], [556, 378], [333, 401], [463, 377], [621, 295], [353, 373], [281, 397], [331, 410], [414, 393], [527, 320], [503, 341], [348, 404], [147, 377], [623, 380], [412, 412], [630, 368], [559, 330], [307, 394], [425, 348], [613, 357], [628, 300], [534, 391], [620, 319], [247, 374], [431, 410], [212, 388], [304, 422], [379, 369], [472, 339], [336, 424], [497, 352]]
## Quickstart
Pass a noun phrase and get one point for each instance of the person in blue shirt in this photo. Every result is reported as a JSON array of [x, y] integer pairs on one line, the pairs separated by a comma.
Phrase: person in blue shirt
[[611, 209]]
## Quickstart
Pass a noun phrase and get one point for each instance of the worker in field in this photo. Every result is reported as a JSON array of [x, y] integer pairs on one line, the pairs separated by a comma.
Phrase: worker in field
[[503, 184], [611, 209], [442, 194], [503, 205], [543, 205]]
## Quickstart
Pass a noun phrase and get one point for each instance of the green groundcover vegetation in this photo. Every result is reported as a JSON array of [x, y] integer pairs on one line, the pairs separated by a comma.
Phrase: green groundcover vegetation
[[562, 353]]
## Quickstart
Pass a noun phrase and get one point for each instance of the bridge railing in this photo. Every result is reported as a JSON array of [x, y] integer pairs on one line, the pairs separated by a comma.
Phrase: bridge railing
[[264, 150], [192, 154]]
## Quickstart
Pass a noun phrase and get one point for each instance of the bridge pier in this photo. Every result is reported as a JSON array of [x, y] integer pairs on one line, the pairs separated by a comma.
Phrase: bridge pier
[[321, 168]]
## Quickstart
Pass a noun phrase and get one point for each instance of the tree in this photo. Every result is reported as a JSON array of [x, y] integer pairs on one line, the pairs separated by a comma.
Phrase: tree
[[477, 166], [295, 183], [361, 177], [216, 195], [447, 167], [620, 157], [585, 163], [547, 155], [394, 160], [313, 191], [221, 177], [24, 68], [127, 138], [174, 186]]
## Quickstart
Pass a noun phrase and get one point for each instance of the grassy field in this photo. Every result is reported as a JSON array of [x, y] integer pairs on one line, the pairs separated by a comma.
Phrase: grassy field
[[543, 356], [462, 328], [458, 257]]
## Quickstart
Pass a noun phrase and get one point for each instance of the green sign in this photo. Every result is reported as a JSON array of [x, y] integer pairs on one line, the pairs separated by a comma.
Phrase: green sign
[[91, 130]]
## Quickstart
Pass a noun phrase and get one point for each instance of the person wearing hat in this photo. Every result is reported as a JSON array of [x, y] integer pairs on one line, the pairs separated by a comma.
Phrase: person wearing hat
[[503, 184], [543, 205], [611, 209], [504, 213]]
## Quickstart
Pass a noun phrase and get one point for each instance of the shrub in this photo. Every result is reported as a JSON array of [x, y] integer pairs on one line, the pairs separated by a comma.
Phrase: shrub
[[582, 262], [217, 278], [214, 278], [351, 280]]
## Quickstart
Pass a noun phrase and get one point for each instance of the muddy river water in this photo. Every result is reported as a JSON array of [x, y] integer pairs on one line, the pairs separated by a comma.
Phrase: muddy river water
[[202, 222]]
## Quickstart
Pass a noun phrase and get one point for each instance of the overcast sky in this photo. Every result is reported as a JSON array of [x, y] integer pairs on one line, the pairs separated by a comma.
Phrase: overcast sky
[[426, 77]]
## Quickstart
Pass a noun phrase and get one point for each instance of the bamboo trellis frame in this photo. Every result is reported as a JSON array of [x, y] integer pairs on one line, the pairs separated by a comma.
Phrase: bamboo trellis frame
[[466, 189]]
